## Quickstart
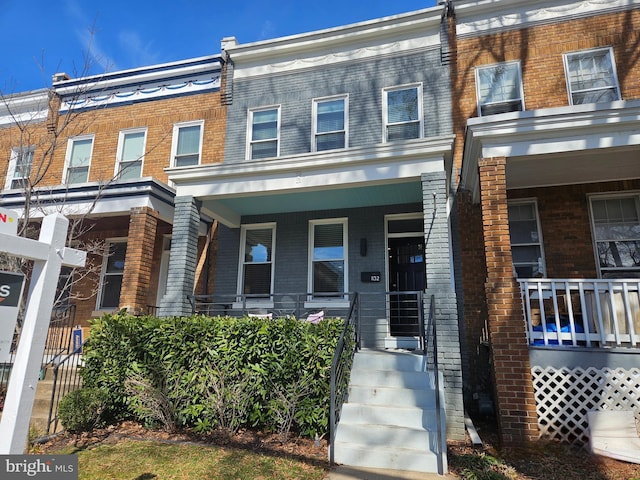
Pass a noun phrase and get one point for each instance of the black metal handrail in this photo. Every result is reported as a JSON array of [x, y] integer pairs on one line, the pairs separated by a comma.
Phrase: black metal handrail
[[348, 343], [66, 378], [430, 331]]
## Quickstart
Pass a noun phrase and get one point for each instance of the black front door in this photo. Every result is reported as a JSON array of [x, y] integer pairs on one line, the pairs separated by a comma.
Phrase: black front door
[[406, 275]]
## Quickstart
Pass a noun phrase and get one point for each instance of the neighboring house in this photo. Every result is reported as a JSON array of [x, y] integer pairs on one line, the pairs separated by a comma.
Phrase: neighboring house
[[547, 114], [114, 136], [336, 180]]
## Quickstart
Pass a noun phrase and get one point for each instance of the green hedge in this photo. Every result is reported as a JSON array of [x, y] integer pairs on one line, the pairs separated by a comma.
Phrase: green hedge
[[205, 372]]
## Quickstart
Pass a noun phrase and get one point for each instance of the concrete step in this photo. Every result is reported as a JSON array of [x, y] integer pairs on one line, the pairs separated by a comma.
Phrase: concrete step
[[389, 360], [386, 458], [383, 435], [401, 397], [393, 378], [410, 417]]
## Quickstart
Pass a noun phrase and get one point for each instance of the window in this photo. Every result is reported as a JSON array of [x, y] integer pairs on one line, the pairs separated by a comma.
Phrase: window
[[499, 88], [111, 277], [20, 167], [78, 159], [616, 231], [329, 124], [187, 144], [131, 147], [264, 126], [526, 240], [328, 257], [591, 76], [256, 260], [402, 108]]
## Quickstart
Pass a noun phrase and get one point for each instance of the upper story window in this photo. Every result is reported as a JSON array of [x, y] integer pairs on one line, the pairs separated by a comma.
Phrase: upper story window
[[616, 231], [264, 133], [187, 144], [499, 88], [402, 107], [526, 239], [19, 167], [78, 159], [329, 123], [328, 257], [131, 145], [591, 76], [256, 260]]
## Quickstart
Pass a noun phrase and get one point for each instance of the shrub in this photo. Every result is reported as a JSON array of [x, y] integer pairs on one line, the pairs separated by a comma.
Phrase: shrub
[[84, 409], [215, 372]]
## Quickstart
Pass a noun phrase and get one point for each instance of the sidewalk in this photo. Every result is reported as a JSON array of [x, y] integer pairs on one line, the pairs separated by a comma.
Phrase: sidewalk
[[344, 472]]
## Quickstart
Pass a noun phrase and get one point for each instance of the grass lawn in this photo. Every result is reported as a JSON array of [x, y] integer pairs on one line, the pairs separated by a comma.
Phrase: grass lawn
[[146, 460]]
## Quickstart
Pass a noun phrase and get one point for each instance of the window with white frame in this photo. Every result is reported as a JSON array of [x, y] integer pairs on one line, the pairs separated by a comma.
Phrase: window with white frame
[[78, 159], [19, 167], [131, 145], [264, 132], [616, 231], [526, 239], [499, 88], [111, 275], [256, 260], [328, 257], [187, 144], [402, 112], [330, 123], [591, 76]]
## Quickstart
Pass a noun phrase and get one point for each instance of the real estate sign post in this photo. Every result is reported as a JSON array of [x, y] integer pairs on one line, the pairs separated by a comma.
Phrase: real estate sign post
[[49, 255]]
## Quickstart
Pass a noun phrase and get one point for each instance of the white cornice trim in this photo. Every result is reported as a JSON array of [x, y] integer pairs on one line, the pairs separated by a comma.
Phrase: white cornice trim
[[408, 31], [481, 17], [24, 107], [439, 147]]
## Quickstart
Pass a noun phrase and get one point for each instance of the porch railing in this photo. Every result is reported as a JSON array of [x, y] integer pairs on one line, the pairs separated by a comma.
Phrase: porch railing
[[582, 312], [66, 378], [429, 344], [348, 343]]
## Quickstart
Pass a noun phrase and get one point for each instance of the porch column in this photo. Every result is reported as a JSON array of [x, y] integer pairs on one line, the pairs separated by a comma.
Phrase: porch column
[[182, 258], [439, 284], [515, 402], [143, 223]]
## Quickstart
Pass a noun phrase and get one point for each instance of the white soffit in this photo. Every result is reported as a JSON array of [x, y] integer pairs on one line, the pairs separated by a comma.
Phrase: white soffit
[[481, 17]]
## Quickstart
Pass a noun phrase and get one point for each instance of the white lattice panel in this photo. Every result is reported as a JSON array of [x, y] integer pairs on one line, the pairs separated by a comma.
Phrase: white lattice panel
[[564, 396]]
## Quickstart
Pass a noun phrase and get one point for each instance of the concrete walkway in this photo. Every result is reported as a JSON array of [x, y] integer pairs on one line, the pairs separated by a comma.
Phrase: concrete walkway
[[344, 472]]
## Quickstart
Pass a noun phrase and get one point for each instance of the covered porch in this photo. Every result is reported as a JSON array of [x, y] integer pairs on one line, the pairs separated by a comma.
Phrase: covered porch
[[557, 190]]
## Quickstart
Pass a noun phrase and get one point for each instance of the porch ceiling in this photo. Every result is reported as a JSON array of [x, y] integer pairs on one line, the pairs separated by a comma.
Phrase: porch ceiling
[[326, 199]]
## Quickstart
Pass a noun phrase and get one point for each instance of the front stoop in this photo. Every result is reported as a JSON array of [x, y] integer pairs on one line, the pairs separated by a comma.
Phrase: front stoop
[[389, 420]]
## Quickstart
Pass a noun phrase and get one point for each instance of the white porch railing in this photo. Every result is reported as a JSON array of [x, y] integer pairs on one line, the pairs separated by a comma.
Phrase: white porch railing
[[582, 312]]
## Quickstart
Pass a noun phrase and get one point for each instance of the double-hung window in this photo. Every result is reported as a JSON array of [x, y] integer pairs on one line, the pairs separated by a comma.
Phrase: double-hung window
[[131, 147], [187, 144], [499, 88], [328, 257], [111, 276], [256, 261], [526, 239], [20, 167], [616, 231], [264, 133], [591, 76], [330, 123], [402, 112], [78, 160]]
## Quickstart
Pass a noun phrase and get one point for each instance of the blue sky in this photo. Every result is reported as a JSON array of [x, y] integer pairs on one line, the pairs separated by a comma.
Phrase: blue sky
[[39, 38]]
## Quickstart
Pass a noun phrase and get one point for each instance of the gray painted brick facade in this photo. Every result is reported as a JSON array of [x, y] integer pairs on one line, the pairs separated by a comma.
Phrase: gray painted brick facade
[[362, 81]]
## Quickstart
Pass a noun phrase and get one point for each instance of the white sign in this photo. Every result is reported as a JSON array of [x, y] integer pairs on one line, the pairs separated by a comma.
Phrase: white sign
[[8, 222], [11, 285]]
